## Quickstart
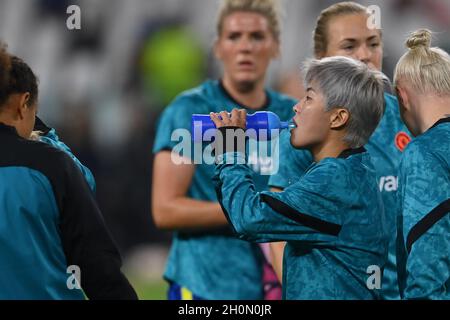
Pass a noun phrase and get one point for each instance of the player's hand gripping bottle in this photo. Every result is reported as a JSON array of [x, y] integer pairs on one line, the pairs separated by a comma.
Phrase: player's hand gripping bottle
[[262, 125]]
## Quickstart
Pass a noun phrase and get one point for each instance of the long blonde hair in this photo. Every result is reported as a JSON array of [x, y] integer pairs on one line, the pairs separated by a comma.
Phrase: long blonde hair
[[270, 9], [425, 69]]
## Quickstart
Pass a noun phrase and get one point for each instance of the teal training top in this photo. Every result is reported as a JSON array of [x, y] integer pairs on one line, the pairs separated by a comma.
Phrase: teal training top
[[52, 139], [332, 219], [49, 222], [385, 148], [424, 219], [214, 264]]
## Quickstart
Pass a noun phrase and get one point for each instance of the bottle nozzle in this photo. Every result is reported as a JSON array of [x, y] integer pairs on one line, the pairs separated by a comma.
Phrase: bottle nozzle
[[287, 125]]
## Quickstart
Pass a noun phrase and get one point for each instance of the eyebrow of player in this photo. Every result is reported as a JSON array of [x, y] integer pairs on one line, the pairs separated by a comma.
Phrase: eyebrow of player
[[352, 40]]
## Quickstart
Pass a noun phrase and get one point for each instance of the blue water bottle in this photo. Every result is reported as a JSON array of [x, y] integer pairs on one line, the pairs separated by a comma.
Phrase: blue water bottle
[[262, 125]]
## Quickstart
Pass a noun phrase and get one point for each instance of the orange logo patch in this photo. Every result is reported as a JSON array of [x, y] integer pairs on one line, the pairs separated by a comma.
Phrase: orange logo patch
[[401, 140]]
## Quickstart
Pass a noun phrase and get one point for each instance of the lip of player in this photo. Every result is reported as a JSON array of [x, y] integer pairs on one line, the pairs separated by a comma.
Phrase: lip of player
[[245, 64], [295, 123]]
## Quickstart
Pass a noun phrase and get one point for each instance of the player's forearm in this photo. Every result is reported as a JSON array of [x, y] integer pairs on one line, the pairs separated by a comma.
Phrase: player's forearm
[[238, 196], [101, 279], [256, 216], [277, 251], [187, 213]]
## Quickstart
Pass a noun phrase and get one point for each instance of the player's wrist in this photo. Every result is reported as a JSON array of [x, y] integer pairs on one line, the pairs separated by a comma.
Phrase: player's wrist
[[230, 139]]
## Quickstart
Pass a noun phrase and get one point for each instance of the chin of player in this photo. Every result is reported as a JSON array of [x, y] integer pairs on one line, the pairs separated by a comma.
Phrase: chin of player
[[296, 139], [301, 140], [246, 79]]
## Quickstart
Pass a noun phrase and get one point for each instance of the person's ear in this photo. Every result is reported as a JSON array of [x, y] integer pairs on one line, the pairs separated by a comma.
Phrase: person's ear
[[23, 104], [216, 49], [320, 55], [276, 52], [402, 96], [339, 118]]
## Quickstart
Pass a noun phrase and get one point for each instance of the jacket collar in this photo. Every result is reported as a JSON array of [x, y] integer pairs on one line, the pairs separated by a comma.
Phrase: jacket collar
[[349, 152], [7, 129], [443, 120]]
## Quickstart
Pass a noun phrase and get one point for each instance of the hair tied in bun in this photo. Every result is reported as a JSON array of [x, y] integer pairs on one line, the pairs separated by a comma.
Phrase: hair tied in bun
[[420, 38]]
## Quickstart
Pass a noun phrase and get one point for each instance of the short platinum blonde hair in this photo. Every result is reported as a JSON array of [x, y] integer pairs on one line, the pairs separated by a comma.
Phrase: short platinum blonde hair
[[270, 9], [350, 84], [425, 69]]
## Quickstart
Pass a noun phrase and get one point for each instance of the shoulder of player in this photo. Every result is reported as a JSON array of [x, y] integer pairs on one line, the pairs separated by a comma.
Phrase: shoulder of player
[[390, 100], [392, 108], [391, 113], [281, 101], [327, 167], [391, 125], [195, 100], [281, 97], [346, 166], [321, 178], [421, 150], [47, 157]]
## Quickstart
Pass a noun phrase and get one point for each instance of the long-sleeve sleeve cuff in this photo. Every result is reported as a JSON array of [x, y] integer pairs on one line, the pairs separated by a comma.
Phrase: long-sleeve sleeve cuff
[[229, 140]]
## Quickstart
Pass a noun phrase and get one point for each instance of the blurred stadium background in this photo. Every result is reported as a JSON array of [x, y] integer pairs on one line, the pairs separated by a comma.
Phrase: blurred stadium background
[[103, 87]]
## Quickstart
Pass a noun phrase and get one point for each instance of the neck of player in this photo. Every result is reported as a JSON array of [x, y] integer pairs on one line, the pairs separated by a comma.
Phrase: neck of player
[[253, 99], [330, 148], [432, 109]]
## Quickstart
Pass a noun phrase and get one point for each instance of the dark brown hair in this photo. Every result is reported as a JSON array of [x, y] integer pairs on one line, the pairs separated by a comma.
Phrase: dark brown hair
[[16, 77], [5, 67]]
